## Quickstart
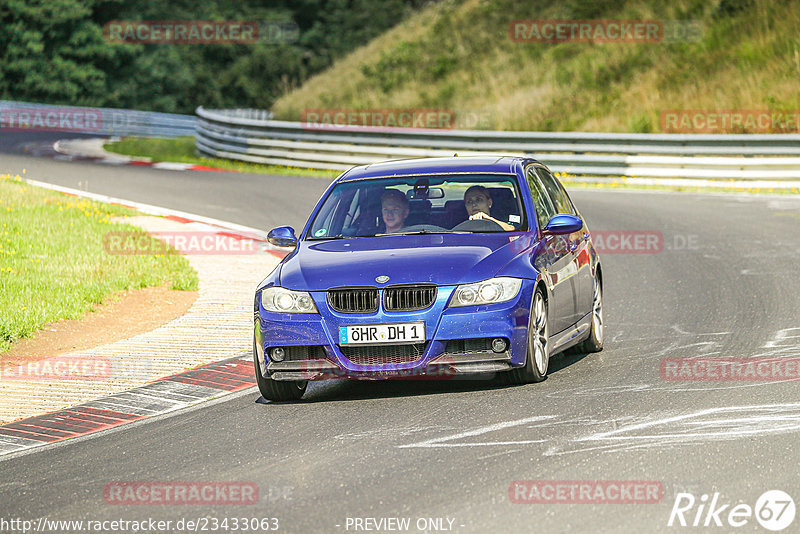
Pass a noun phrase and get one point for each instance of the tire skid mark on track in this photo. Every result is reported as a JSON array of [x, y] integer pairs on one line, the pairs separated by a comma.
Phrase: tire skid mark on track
[[162, 396], [629, 433], [785, 342], [447, 441]]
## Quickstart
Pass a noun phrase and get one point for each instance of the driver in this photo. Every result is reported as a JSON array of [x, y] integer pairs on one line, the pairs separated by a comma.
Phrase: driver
[[394, 208], [478, 202]]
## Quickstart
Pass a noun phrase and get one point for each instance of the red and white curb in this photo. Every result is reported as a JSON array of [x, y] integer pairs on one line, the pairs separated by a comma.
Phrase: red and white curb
[[164, 395], [159, 397], [191, 220], [92, 150], [168, 165]]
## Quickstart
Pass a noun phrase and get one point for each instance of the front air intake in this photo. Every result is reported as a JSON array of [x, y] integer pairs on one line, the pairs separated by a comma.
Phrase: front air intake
[[353, 299], [383, 354], [409, 297]]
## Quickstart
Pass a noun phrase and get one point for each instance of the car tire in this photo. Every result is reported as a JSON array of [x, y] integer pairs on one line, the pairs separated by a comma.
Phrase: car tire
[[537, 359], [594, 343], [274, 390]]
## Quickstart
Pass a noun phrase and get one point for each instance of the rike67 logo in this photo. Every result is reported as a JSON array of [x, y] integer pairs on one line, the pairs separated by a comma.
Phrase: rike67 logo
[[774, 510]]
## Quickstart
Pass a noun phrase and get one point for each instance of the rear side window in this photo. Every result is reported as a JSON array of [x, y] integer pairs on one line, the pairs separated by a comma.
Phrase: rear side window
[[541, 201], [559, 197]]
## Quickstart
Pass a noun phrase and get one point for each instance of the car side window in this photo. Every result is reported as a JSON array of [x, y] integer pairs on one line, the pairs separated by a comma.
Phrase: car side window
[[353, 210], [541, 201], [331, 219], [324, 219], [557, 194]]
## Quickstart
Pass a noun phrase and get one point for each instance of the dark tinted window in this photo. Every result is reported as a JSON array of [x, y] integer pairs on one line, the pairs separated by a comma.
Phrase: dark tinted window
[[557, 194], [541, 201]]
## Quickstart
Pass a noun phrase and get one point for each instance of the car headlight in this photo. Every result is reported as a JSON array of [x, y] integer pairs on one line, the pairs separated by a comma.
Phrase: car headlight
[[282, 300], [489, 291]]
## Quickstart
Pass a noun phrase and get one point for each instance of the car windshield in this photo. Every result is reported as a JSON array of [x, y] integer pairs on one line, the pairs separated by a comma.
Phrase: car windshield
[[420, 205]]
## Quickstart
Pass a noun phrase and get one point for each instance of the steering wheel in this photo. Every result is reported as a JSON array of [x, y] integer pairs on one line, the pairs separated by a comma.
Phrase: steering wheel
[[477, 225]]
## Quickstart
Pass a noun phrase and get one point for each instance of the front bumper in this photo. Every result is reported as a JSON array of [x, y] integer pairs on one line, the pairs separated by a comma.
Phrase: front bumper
[[437, 359]]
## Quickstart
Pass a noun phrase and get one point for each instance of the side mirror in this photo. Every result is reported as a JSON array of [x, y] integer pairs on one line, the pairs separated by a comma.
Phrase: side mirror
[[282, 236], [563, 224]]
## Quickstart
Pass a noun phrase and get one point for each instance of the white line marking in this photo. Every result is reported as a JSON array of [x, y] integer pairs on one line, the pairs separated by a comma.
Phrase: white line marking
[[148, 208]]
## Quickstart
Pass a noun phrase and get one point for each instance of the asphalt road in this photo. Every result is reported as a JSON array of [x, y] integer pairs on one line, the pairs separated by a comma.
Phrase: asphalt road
[[724, 285], [260, 201]]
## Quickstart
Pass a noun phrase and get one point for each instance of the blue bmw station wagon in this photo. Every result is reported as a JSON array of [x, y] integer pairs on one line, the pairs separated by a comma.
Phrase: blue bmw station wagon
[[429, 268]]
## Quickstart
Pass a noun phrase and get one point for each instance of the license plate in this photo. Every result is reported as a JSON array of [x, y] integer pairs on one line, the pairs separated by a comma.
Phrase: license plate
[[382, 333]]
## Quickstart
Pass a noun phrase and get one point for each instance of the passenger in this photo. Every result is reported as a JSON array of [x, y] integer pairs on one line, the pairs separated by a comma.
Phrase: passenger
[[394, 208], [478, 202]]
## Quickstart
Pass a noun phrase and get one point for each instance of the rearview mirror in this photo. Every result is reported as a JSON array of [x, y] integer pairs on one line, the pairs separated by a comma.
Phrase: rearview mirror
[[427, 194], [563, 224], [282, 236]]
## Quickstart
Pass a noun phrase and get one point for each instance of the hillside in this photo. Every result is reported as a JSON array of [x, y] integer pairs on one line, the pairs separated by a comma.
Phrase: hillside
[[459, 55]]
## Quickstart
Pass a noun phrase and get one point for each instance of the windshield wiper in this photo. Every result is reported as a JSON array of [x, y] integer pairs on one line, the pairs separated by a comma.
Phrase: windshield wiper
[[422, 232], [325, 238]]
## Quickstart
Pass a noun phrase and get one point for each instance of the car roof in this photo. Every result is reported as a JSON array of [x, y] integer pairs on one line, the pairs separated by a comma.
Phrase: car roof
[[458, 164]]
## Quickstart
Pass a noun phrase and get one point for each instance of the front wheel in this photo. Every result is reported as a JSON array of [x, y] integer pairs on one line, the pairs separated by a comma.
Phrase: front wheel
[[538, 356], [274, 390]]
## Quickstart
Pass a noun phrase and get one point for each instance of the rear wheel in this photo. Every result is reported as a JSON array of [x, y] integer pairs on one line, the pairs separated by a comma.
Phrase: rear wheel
[[594, 343], [538, 357], [275, 390]]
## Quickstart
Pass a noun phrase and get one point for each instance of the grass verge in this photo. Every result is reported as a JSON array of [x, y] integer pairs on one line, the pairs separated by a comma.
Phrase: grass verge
[[52, 261], [181, 150]]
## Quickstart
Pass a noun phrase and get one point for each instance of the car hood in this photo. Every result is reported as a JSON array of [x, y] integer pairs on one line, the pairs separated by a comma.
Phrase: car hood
[[444, 259]]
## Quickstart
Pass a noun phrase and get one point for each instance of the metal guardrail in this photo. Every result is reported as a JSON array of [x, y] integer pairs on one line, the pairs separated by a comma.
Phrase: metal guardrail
[[25, 116], [244, 135]]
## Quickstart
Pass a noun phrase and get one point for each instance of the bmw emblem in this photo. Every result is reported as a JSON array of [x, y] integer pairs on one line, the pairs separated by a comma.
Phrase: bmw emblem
[[382, 279]]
